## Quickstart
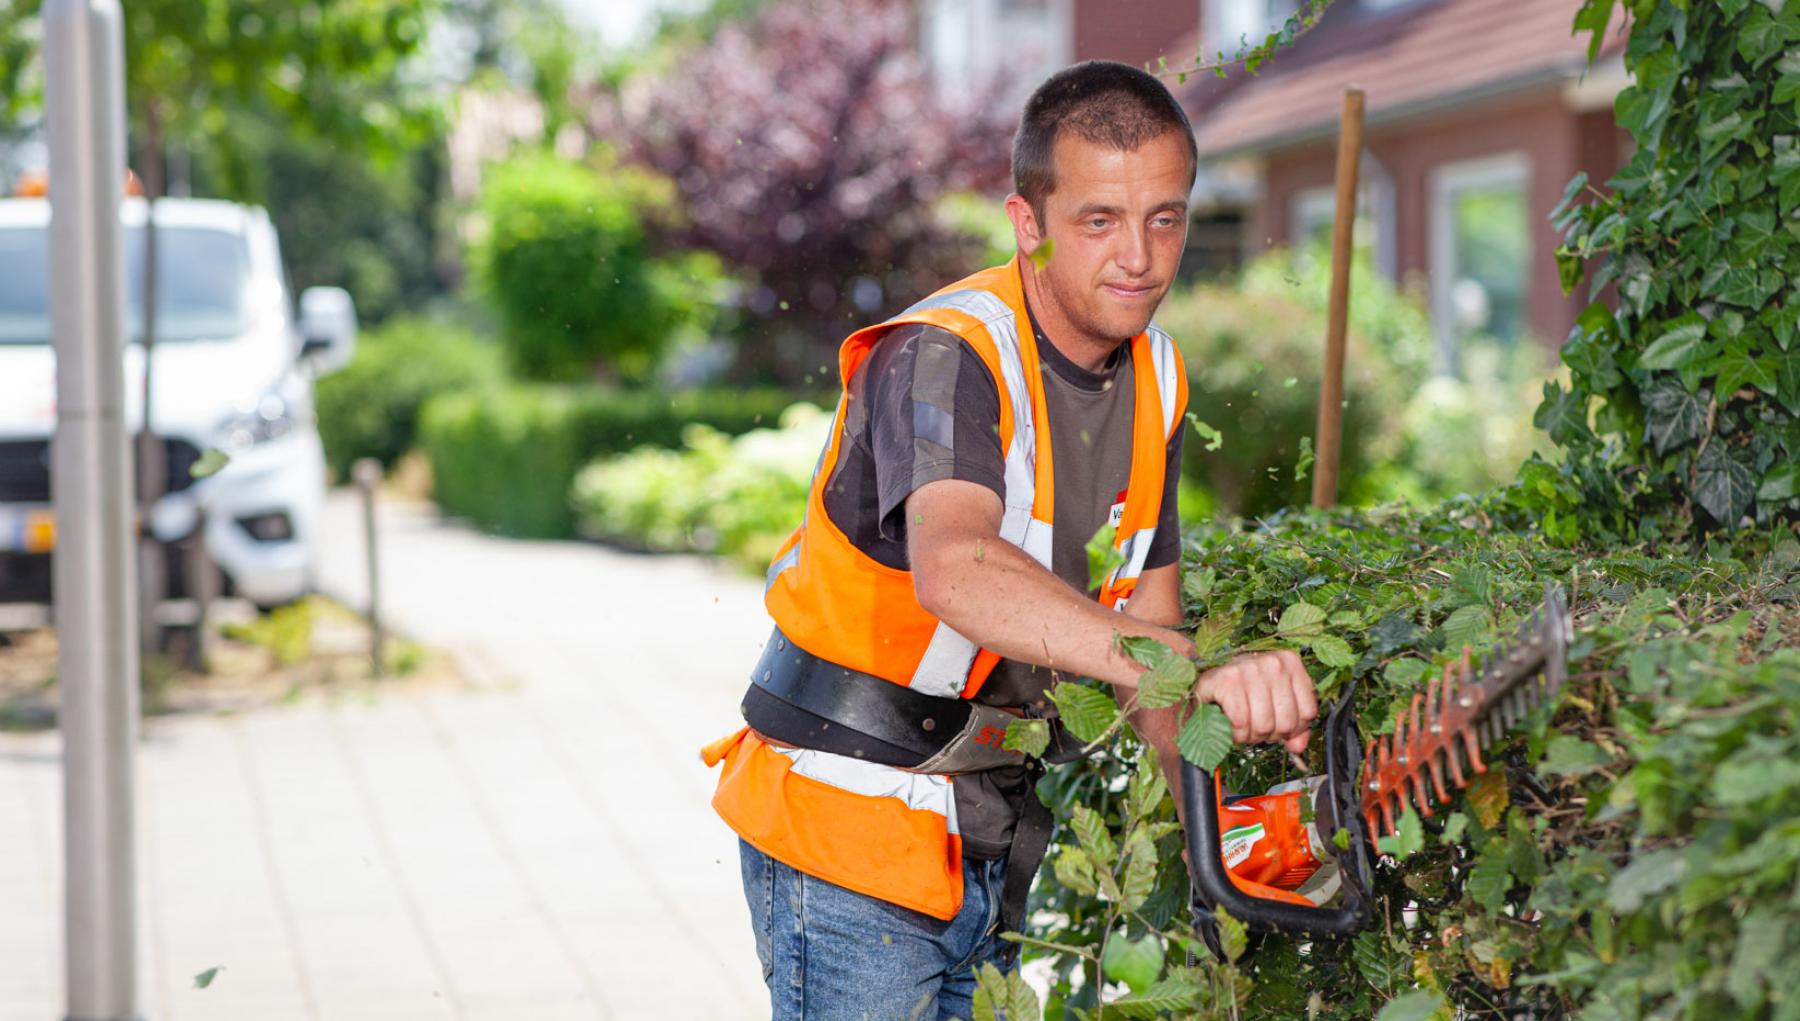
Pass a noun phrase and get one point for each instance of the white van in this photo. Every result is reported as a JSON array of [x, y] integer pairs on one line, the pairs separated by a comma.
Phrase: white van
[[233, 372]]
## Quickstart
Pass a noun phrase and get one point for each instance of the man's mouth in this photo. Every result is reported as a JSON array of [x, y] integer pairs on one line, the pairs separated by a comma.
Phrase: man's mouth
[[1127, 292]]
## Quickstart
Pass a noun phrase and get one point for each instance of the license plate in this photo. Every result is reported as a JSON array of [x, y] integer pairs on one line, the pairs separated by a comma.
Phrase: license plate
[[31, 530]]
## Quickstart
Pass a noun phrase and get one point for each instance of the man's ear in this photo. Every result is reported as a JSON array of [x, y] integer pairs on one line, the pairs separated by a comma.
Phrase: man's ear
[[1027, 232]]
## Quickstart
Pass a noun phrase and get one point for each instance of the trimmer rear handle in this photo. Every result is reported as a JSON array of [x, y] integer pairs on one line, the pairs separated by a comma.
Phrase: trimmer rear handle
[[1213, 886]]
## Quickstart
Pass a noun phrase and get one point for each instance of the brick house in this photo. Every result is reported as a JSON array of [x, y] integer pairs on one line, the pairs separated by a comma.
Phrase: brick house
[[1478, 114]]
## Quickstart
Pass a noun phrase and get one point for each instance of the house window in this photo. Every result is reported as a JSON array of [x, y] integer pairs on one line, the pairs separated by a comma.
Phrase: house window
[[1312, 211], [1230, 26], [968, 45], [1480, 251]]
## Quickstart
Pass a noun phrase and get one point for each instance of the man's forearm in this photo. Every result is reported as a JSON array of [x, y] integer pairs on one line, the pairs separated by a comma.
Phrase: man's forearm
[[995, 594]]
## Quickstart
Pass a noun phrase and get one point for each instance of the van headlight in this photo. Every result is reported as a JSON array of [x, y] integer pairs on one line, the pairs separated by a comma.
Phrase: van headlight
[[271, 418]]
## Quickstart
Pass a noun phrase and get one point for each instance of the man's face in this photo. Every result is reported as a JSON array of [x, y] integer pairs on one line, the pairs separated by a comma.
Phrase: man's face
[[1118, 222]]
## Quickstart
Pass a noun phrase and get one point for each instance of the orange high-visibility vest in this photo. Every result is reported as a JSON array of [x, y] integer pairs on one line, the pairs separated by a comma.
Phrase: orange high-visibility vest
[[875, 829]]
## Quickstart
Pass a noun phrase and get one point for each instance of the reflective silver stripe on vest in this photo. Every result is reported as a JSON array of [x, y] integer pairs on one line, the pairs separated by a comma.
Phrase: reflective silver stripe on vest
[[1162, 358], [924, 792], [944, 668], [786, 560]]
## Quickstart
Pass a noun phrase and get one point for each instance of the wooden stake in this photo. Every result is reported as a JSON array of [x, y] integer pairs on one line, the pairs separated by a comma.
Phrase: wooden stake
[[1331, 388]]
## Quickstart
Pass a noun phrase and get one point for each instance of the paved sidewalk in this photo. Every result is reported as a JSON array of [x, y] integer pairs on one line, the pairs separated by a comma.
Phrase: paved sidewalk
[[539, 846]]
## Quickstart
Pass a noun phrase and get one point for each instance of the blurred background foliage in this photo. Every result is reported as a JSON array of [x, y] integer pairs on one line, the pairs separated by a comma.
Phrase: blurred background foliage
[[371, 407], [564, 256], [505, 456], [809, 151], [566, 251]]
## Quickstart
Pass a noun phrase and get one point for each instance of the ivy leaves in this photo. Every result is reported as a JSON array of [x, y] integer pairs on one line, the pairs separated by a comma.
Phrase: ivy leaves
[[1694, 375], [1723, 484], [1675, 735]]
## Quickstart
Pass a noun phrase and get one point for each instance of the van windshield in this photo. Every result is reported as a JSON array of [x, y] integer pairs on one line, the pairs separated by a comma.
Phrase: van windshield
[[201, 279]]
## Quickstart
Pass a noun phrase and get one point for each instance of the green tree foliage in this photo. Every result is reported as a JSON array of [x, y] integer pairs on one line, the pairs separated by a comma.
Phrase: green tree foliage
[[568, 257], [307, 107], [328, 69], [530, 43], [1252, 350], [344, 220], [1683, 413]]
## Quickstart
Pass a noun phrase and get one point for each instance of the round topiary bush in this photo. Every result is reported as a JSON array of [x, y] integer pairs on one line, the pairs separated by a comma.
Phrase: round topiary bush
[[566, 254]]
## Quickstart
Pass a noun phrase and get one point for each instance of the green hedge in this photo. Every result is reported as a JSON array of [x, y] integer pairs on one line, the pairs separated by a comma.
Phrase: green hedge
[[1632, 854], [504, 458], [734, 496], [370, 408]]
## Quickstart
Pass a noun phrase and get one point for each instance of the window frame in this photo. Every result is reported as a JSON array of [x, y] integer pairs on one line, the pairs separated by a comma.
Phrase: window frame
[[1375, 196], [1509, 168]]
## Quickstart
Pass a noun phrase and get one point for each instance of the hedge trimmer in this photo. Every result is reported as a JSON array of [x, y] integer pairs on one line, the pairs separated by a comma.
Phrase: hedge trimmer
[[1276, 861]]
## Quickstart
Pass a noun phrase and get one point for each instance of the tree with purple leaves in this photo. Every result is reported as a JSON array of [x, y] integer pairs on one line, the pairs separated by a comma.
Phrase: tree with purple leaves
[[811, 151]]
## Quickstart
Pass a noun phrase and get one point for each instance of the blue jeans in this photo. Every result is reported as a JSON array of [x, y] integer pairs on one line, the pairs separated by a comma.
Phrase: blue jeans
[[829, 954]]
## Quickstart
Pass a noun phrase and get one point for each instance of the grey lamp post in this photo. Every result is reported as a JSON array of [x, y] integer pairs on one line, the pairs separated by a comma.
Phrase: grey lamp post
[[84, 98]]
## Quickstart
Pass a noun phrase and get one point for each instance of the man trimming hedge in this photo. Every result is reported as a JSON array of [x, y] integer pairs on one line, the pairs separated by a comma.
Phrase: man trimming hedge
[[939, 582]]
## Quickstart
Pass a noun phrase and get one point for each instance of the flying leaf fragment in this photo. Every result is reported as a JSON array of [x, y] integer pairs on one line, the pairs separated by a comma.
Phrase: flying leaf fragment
[[209, 463], [1213, 437]]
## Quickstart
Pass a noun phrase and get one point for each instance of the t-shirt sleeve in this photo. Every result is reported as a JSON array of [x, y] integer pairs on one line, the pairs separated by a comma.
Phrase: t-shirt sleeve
[[1165, 549], [934, 414]]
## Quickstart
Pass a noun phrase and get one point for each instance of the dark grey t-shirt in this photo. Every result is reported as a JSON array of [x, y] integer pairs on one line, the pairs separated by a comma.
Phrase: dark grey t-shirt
[[924, 408]]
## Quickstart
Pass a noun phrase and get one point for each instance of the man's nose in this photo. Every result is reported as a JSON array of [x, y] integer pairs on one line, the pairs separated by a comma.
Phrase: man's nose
[[1133, 254]]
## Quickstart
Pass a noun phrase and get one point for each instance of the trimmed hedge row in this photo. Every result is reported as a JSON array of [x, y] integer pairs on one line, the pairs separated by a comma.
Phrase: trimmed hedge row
[[1631, 853], [738, 497], [371, 407], [505, 457]]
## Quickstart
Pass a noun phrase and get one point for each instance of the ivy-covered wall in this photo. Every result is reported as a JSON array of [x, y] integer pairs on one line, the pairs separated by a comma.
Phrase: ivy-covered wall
[[1681, 414]]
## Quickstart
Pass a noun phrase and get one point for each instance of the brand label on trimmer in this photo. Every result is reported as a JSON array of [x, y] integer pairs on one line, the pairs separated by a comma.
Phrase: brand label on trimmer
[[1235, 845]]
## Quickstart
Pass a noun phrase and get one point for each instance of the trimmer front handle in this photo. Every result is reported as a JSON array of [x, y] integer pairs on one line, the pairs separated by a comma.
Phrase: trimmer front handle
[[1214, 884]]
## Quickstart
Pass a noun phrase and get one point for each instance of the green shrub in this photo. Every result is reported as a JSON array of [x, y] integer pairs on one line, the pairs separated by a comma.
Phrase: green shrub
[[1684, 409], [505, 457], [1462, 434], [737, 497], [1633, 857], [370, 408], [567, 257], [1253, 347]]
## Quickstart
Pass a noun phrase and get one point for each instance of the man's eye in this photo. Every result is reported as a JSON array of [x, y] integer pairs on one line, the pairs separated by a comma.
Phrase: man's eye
[[1097, 223]]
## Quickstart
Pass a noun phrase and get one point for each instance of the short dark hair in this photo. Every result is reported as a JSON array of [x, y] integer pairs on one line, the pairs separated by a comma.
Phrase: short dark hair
[[1102, 101]]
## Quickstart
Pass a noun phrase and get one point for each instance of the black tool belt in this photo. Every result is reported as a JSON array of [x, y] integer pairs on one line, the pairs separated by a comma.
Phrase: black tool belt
[[799, 699]]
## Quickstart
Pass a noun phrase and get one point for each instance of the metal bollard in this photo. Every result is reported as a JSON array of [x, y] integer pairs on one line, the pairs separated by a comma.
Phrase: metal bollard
[[367, 473], [96, 609]]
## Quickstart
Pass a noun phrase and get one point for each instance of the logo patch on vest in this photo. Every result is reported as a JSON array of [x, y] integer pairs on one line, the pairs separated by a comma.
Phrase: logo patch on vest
[[1117, 514]]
